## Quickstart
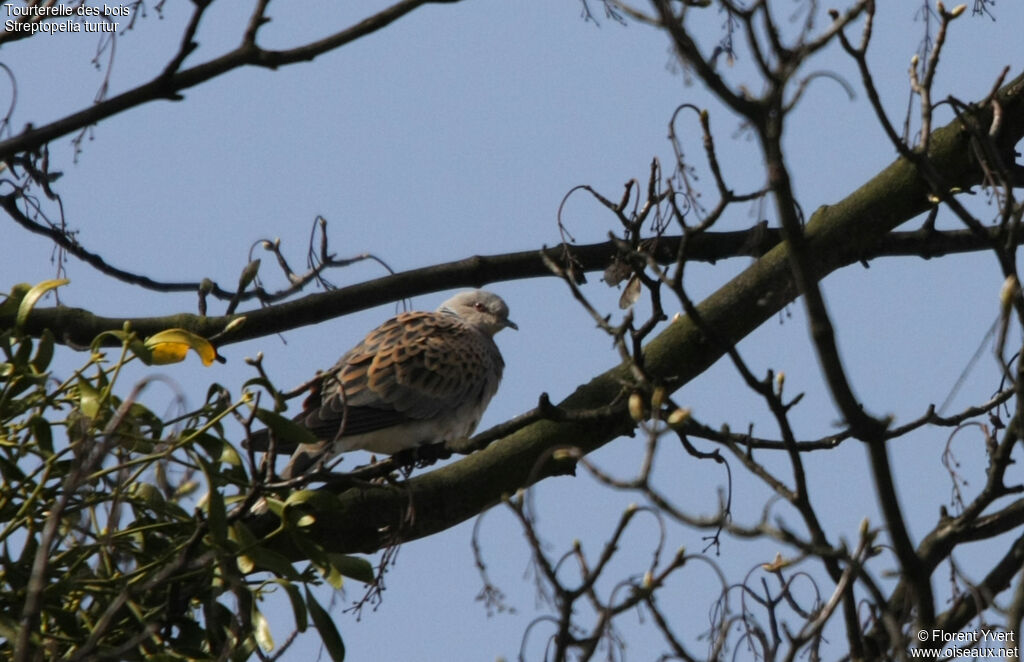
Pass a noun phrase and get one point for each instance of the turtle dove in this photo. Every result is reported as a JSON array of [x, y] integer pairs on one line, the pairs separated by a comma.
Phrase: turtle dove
[[419, 378]]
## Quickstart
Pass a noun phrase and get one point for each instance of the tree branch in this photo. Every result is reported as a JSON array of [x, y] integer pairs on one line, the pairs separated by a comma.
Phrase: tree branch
[[367, 519], [169, 83], [77, 326]]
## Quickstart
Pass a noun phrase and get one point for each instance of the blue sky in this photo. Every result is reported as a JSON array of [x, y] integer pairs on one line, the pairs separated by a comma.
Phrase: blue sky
[[458, 131]]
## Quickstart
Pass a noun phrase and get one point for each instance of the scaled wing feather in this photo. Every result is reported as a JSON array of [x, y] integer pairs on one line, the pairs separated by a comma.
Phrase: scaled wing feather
[[413, 367]]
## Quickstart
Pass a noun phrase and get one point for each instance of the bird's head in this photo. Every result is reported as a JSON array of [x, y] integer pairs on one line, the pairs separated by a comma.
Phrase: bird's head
[[483, 310]]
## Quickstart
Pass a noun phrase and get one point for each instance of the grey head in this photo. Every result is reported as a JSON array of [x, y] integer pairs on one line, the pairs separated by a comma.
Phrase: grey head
[[483, 310]]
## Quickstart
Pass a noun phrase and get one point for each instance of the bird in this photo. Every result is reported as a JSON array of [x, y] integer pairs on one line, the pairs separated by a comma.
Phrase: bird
[[419, 378]]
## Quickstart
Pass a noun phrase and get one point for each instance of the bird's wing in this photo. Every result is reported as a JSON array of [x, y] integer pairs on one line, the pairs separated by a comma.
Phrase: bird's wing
[[416, 366]]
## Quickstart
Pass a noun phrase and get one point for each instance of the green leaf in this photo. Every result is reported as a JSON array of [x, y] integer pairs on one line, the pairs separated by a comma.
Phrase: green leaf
[[28, 302], [246, 541], [333, 577], [285, 429], [9, 306], [218, 623], [148, 495], [11, 474], [42, 434], [144, 416], [298, 606], [335, 567], [88, 399], [223, 456], [229, 456], [22, 353], [211, 445], [241, 534], [216, 512], [44, 352], [267, 559], [355, 567], [316, 499], [329, 634], [301, 509]]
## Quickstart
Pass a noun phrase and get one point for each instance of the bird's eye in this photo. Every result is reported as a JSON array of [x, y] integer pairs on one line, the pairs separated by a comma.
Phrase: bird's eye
[[479, 306]]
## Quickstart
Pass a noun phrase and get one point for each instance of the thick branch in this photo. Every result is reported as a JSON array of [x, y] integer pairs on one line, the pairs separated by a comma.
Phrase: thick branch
[[367, 519]]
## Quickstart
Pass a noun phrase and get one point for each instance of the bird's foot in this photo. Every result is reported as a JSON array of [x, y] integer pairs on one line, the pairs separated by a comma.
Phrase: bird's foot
[[422, 456]]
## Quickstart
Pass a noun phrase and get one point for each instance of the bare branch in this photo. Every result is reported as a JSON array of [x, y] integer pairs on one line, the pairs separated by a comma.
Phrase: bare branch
[[171, 82]]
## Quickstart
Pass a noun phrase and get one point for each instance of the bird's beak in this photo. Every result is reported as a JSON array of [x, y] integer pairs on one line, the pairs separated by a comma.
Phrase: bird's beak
[[512, 325]]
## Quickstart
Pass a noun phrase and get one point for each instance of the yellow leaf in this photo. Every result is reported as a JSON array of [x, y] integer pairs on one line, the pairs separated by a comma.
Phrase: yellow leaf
[[262, 631], [636, 407], [172, 345], [245, 564], [777, 564], [679, 416], [168, 352]]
